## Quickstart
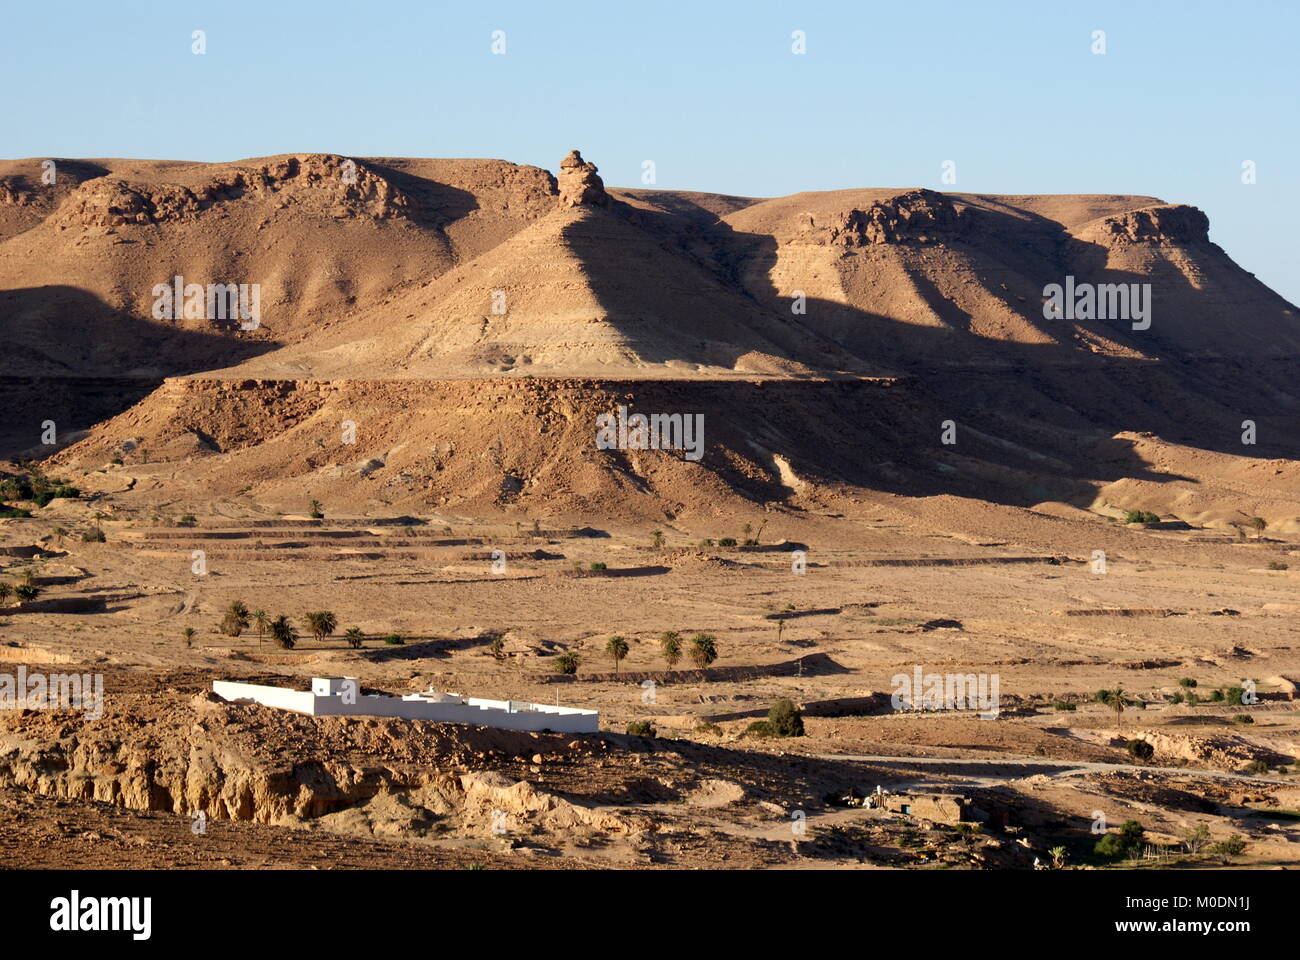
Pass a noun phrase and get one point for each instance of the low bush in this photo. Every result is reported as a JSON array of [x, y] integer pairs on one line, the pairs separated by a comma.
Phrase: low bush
[[1234, 846], [1140, 750], [760, 728], [785, 719]]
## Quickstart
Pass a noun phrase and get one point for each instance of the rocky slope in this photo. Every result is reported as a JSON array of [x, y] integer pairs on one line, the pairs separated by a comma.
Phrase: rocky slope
[[404, 295]]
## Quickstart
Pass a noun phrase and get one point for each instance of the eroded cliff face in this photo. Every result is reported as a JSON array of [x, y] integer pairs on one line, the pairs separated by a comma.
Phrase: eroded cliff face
[[344, 187], [1164, 224], [244, 762], [917, 216]]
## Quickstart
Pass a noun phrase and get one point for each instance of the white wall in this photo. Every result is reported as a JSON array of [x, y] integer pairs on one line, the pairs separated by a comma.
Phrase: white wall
[[299, 701], [487, 713]]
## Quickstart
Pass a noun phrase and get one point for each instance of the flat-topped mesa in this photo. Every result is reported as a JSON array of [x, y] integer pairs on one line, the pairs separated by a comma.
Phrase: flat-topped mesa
[[1167, 223], [579, 184]]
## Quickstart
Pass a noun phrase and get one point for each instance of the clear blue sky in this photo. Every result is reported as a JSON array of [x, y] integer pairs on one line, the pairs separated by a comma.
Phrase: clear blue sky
[[1187, 90]]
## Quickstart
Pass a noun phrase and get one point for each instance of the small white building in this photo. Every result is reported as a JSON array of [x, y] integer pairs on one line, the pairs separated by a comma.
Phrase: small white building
[[341, 697]]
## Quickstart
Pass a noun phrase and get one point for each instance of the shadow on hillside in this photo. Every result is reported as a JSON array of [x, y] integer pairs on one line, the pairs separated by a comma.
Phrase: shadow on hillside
[[434, 204], [1035, 420], [73, 359]]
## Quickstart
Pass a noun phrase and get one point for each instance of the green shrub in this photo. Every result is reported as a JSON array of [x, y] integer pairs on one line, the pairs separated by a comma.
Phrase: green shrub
[[567, 663], [43, 498], [15, 488], [1140, 516], [1234, 696], [1234, 846], [1277, 565], [785, 719], [93, 536], [1132, 830], [598, 565], [1243, 718], [1111, 846], [394, 640], [1176, 698], [1217, 697], [760, 728], [14, 513], [727, 542], [641, 728], [705, 726], [1187, 682], [188, 518], [1257, 766], [1140, 750]]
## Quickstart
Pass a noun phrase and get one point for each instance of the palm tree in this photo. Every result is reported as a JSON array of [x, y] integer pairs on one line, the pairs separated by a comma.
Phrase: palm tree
[[6, 591], [498, 646], [1058, 855], [283, 633], [320, 624], [1115, 700], [671, 646], [657, 538], [316, 512], [617, 648], [354, 636], [780, 628], [261, 620], [26, 591], [567, 662], [235, 620], [188, 635], [703, 650], [1260, 524]]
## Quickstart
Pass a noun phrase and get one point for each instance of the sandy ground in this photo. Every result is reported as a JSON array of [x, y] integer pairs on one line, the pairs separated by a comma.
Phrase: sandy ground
[[1166, 608]]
